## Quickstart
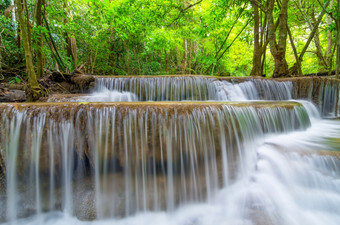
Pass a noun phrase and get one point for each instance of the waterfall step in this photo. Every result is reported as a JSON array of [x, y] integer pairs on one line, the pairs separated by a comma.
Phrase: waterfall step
[[324, 92], [96, 160], [182, 106]]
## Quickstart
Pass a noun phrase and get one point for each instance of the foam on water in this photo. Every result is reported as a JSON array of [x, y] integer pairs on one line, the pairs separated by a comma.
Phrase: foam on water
[[103, 95], [106, 95]]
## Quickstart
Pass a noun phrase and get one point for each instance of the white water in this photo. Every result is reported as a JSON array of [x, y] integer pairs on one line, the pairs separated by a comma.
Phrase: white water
[[181, 89], [105, 95], [285, 172], [285, 185], [209, 89], [196, 88]]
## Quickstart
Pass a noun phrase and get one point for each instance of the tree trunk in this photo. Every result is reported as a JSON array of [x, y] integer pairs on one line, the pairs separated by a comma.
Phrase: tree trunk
[[278, 49], [71, 42], [319, 52], [329, 42], [34, 91], [39, 22], [72, 50], [337, 70], [293, 69], [264, 42], [298, 63], [312, 26], [112, 56], [185, 45], [256, 70], [190, 56]]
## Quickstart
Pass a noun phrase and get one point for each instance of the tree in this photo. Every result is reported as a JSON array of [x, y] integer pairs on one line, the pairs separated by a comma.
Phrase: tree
[[39, 22], [337, 22], [293, 70], [70, 40], [329, 53], [308, 12], [278, 47], [34, 91], [215, 37], [256, 70]]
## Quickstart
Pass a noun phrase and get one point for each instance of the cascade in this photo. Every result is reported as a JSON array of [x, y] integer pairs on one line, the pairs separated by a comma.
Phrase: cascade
[[322, 92], [197, 88], [173, 150]]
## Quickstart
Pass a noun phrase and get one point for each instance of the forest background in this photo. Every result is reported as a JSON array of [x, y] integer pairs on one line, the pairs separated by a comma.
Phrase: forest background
[[270, 38]]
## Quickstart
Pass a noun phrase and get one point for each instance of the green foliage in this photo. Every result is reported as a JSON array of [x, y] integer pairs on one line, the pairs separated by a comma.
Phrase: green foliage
[[4, 4], [9, 51], [240, 62], [157, 36], [13, 80]]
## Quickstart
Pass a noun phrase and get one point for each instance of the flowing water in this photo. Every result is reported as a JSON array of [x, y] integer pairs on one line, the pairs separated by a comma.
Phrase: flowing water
[[206, 161], [196, 88]]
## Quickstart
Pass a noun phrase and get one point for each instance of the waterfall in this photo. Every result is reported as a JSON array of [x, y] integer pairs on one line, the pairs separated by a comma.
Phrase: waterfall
[[323, 92], [329, 107], [196, 88], [224, 152]]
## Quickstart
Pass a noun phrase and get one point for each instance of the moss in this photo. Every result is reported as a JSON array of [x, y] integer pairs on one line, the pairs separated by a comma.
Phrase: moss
[[334, 143], [335, 154], [170, 107]]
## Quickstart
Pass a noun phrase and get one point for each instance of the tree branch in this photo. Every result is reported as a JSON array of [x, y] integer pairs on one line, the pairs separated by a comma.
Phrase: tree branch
[[232, 42], [229, 32], [259, 4], [244, 27], [298, 63], [324, 8], [313, 31], [183, 10], [60, 61]]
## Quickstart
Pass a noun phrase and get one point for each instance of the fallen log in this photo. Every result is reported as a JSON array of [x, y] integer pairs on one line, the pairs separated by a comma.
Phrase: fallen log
[[12, 95], [75, 82]]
